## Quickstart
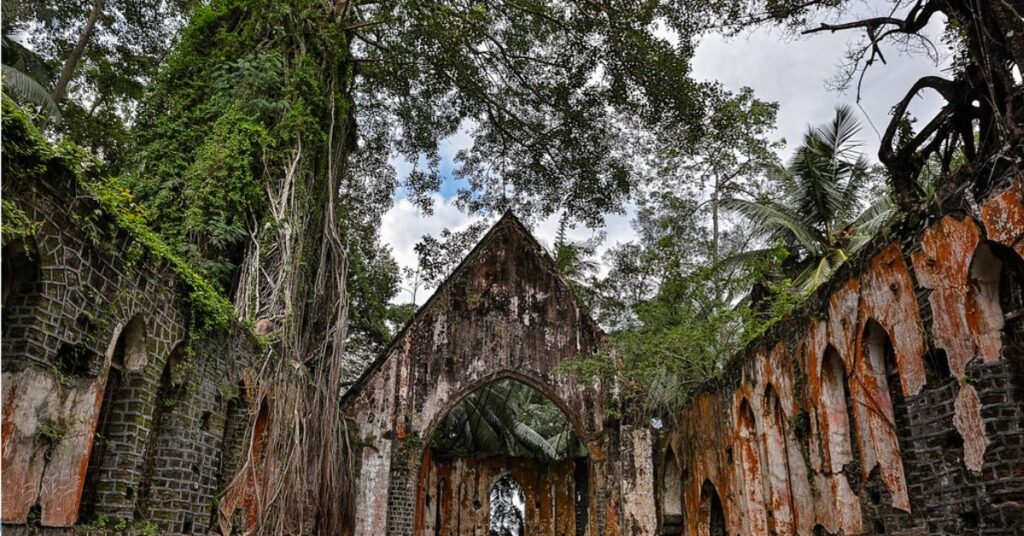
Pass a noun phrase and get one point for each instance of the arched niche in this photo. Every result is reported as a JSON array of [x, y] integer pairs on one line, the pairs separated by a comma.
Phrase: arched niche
[[712, 512], [22, 288], [881, 356], [234, 404], [114, 408], [135, 344], [777, 463], [751, 470], [21, 271], [836, 411], [160, 448], [671, 495], [995, 295]]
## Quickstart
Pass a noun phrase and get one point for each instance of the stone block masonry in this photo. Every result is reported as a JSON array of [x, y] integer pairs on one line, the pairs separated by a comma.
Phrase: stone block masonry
[[892, 402], [900, 397], [111, 419]]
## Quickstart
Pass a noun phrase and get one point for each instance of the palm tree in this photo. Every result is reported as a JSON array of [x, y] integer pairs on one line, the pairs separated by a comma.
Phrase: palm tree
[[507, 418], [23, 76], [818, 211]]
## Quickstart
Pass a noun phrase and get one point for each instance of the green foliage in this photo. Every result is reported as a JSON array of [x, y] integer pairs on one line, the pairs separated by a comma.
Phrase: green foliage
[[438, 257], [16, 224], [145, 527], [28, 157], [507, 418], [30, 91], [123, 54], [51, 431], [819, 214]]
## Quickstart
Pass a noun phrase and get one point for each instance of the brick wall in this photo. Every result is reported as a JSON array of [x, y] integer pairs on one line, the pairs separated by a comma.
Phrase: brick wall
[[931, 353], [99, 428]]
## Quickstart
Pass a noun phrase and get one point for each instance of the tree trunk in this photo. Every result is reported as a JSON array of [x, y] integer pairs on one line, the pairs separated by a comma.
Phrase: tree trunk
[[714, 220], [76, 54]]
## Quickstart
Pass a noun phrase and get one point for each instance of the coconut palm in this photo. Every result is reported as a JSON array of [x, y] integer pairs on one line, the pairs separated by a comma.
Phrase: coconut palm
[[21, 78], [817, 212]]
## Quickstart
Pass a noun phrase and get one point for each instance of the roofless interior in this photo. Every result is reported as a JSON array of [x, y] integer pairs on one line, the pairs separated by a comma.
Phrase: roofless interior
[[506, 461]]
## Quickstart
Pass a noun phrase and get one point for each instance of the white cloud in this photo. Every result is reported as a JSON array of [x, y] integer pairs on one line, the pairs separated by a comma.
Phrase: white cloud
[[793, 73], [790, 71]]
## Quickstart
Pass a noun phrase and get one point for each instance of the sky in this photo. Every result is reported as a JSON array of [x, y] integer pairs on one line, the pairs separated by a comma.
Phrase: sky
[[790, 71]]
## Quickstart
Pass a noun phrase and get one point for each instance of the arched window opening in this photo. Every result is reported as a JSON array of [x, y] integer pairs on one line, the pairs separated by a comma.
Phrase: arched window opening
[[21, 283], [712, 511], [111, 407], [135, 353], [882, 358], [777, 462], [161, 438], [996, 287], [671, 496], [750, 460], [581, 479], [508, 508], [837, 414]]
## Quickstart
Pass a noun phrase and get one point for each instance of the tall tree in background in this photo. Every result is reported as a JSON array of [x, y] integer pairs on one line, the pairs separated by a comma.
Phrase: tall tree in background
[[95, 57], [982, 122]]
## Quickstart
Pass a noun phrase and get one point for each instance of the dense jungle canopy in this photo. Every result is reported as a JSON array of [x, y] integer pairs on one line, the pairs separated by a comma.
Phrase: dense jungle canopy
[[258, 139]]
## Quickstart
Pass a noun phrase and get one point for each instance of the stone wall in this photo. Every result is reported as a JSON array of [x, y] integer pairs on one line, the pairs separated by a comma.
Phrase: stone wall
[[503, 313], [893, 403], [456, 495], [111, 417]]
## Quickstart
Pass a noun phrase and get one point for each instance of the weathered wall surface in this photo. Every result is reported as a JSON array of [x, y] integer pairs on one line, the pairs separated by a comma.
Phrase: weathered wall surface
[[504, 313], [893, 404], [456, 495], [106, 417]]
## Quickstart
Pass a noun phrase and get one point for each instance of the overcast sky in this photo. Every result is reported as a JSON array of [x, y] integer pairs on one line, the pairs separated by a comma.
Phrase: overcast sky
[[792, 72]]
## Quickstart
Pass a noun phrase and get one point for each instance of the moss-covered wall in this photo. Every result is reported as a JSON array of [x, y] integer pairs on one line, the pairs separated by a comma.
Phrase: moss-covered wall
[[119, 364]]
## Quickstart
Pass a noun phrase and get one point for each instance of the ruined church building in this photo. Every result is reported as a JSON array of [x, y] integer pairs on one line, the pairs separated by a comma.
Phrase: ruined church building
[[891, 402]]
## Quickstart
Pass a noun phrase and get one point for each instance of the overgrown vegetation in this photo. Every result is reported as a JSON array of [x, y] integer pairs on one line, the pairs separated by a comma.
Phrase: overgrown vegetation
[[29, 156], [507, 418], [252, 149]]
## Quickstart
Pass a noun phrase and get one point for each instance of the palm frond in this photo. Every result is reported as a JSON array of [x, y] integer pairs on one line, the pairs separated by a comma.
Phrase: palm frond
[[874, 217], [840, 134], [815, 274], [771, 217], [533, 441], [29, 90]]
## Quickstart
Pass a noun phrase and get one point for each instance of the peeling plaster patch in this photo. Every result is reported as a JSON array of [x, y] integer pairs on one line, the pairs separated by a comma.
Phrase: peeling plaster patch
[[966, 319], [943, 265], [33, 399], [638, 509], [887, 295], [967, 419], [1003, 216]]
